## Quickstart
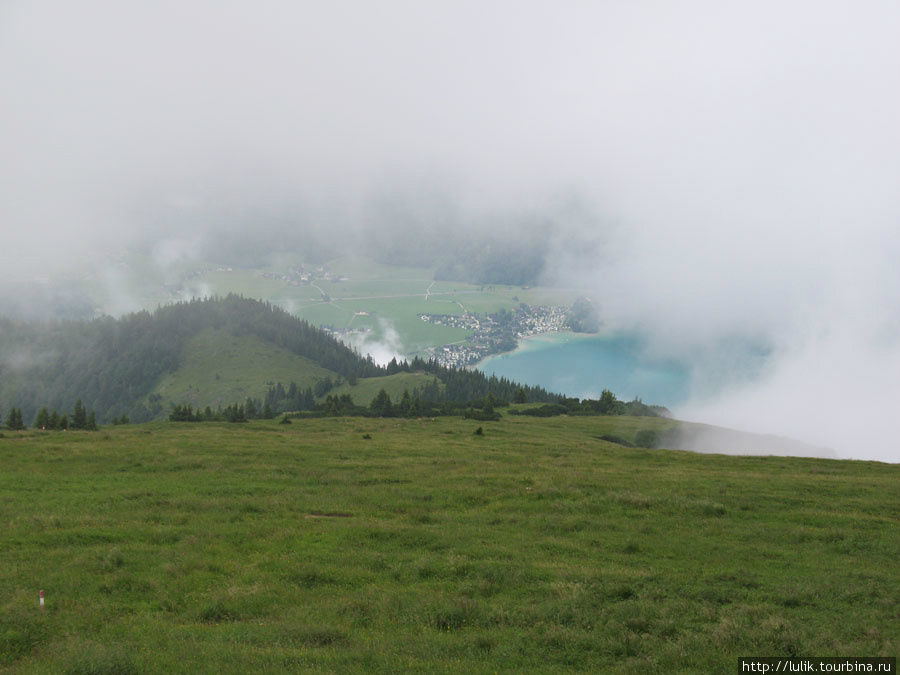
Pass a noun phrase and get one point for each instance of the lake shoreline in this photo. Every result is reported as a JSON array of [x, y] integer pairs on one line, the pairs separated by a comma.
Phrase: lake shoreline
[[536, 342], [584, 364]]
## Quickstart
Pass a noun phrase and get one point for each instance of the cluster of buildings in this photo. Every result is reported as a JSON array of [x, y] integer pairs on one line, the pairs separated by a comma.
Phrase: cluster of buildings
[[537, 320], [459, 355], [494, 333], [298, 277]]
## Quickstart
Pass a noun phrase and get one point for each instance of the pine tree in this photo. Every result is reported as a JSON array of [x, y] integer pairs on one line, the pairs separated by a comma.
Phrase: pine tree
[[405, 404], [79, 416], [416, 408], [53, 423], [381, 405], [91, 421], [14, 420], [42, 420]]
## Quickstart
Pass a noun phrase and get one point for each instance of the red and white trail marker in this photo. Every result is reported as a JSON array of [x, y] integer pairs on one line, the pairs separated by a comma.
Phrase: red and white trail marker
[[42, 600]]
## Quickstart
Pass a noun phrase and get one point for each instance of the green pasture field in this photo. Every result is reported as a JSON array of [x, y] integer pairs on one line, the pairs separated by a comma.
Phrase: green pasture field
[[385, 545], [398, 314], [221, 369]]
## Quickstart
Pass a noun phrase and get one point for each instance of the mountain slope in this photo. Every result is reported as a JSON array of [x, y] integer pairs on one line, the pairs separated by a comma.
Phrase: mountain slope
[[114, 364], [220, 368]]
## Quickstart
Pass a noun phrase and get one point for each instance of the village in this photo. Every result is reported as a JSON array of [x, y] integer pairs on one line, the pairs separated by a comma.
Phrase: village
[[494, 333], [299, 276]]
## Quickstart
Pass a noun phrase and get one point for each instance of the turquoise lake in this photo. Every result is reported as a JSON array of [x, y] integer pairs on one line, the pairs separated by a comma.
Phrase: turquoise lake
[[585, 365]]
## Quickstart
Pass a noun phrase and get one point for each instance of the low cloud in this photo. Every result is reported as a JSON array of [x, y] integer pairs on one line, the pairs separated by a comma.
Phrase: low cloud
[[382, 346]]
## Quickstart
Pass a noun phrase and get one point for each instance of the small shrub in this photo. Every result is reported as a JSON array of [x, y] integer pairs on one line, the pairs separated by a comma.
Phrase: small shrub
[[485, 415], [479, 431], [367, 437], [646, 438]]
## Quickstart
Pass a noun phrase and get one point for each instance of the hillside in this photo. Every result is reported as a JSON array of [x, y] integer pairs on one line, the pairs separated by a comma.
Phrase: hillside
[[536, 547], [114, 364], [143, 363], [220, 368]]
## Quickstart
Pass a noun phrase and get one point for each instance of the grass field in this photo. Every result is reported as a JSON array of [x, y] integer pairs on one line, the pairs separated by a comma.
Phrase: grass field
[[220, 369], [534, 547]]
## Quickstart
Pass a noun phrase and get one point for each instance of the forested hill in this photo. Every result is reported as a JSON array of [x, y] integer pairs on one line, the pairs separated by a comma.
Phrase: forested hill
[[113, 364]]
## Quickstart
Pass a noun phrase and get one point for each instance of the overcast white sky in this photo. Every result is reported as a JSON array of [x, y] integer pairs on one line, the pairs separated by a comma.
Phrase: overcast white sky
[[742, 159]]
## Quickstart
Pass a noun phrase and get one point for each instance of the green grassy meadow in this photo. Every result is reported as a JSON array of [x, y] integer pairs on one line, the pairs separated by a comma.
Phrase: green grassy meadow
[[535, 547], [220, 369]]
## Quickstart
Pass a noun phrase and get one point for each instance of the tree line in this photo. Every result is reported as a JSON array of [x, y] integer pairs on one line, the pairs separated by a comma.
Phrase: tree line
[[81, 419], [418, 404], [607, 404], [236, 412]]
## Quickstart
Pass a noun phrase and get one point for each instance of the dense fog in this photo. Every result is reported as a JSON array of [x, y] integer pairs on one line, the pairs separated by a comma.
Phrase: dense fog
[[720, 176]]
